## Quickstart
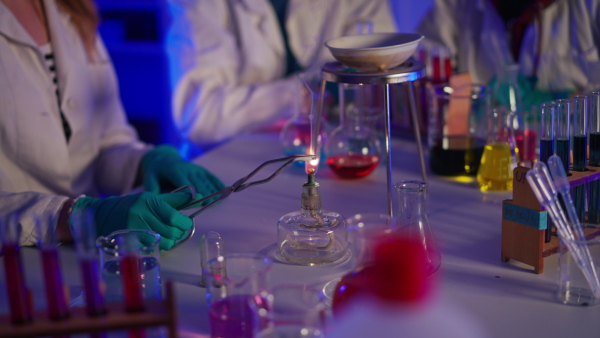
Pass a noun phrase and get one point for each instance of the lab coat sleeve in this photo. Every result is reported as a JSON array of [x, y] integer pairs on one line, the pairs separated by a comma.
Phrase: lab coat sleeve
[[439, 25], [26, 208], [216, 93]]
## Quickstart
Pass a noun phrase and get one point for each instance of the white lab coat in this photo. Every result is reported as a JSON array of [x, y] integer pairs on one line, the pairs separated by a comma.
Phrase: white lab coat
[[38, 169], [475, 34], [228, 58]]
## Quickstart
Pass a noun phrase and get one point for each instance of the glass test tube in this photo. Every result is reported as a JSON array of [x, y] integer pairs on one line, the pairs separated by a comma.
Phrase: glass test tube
[[594, 160], [18, 294], [547, 131], [84, 234], [56, 297], [212, 246], [562, 132], [130, 273], [580, 131], [547, 145]]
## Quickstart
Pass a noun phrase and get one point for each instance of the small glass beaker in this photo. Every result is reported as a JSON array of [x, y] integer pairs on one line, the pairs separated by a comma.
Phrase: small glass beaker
[[413, 223], [499, 157], [573, 286], [456, 130], [145, 244], [298, 311], [238, 295]]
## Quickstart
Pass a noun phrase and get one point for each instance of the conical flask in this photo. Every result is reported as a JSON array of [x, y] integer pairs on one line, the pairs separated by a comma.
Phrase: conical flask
[[500, 155], [413, 222]]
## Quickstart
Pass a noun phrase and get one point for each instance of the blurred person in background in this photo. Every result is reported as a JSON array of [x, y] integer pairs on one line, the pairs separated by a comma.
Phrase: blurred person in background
[[65, 142], [234, 63], [555, 42]]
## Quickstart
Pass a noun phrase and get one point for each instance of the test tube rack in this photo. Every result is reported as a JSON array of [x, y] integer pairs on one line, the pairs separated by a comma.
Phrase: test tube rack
[[157, 313], [524, 222]]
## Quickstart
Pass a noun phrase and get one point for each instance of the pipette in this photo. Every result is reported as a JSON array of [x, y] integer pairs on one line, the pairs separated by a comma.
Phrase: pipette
[[547, 195], [561, 182]]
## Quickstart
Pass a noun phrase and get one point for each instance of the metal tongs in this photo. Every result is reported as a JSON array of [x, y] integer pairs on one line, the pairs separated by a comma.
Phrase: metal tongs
[[239, 185]]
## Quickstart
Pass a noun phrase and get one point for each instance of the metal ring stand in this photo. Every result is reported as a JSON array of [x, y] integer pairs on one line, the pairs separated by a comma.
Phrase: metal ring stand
[[409, 71]]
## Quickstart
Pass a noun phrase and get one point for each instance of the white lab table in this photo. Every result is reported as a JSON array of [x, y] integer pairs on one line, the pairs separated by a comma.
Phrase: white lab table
[[508, 299]]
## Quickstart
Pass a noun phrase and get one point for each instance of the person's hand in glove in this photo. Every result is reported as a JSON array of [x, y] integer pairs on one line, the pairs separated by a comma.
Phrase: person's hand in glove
[[162, 167], [147, 211]]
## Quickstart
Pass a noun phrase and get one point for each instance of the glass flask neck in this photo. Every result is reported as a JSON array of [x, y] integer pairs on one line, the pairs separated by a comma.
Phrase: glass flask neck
[[412, 201], [500, 126]]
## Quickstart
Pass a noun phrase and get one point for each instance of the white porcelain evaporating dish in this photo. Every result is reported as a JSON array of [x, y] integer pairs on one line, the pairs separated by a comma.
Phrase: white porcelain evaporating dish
[[374, 52]]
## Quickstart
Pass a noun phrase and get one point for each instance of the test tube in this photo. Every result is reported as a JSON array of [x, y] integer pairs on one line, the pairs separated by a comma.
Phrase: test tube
[[128, 247], [547, 131], [18, 294], [212, 246], [84, 234], [53, 279], [594, 161], [580, 131], [562, 132]]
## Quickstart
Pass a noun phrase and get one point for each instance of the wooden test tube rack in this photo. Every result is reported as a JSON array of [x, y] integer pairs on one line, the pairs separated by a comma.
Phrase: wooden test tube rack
[[524, 221], [157, 313]]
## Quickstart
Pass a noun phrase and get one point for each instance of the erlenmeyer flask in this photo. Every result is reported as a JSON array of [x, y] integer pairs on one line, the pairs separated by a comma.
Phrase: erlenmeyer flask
[[499, 154], [413, 222]]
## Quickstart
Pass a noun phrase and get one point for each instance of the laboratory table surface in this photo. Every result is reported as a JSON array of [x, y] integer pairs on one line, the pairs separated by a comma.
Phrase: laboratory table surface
[[507, 299]]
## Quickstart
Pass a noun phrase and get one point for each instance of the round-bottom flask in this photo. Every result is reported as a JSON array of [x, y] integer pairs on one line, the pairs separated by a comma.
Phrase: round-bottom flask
[[353, 149], [312, 236]]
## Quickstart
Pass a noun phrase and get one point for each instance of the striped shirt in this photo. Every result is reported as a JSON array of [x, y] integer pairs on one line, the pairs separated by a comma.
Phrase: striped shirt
[[50, 64]]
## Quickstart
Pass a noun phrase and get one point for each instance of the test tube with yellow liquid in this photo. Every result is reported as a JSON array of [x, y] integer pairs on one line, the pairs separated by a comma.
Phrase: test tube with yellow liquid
[[500, 155]]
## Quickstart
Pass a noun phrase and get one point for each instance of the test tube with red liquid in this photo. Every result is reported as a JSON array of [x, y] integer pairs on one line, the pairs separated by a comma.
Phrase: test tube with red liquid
[[84, 234], [53, 279], [133, 296], [18, 294]]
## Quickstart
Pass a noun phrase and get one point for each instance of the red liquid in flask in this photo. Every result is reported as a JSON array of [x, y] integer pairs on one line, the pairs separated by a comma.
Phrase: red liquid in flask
[[353, 166], [18, 297]]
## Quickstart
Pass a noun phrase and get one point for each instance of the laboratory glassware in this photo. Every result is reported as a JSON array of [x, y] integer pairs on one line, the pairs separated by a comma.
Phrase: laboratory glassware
[[312, 235], [499, 157], [594, 161], [456, 131], [353, 149]]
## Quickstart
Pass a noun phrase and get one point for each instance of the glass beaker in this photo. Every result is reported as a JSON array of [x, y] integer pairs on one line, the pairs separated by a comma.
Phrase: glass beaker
[[145, 244], [412, 222], [499, 156], [298, 311], [573, 286], [353, 149], [238, 296], [456, 130]]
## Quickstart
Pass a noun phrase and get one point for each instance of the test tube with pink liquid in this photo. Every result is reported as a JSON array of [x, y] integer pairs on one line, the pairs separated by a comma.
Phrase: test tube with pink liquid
[[18, 294]]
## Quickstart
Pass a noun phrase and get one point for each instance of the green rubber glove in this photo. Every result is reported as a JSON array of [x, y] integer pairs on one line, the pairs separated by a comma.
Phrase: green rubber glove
[[164, 168], [147, 211]]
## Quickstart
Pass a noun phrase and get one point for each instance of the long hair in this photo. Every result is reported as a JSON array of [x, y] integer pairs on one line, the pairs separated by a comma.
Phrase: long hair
[[85, 17]]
